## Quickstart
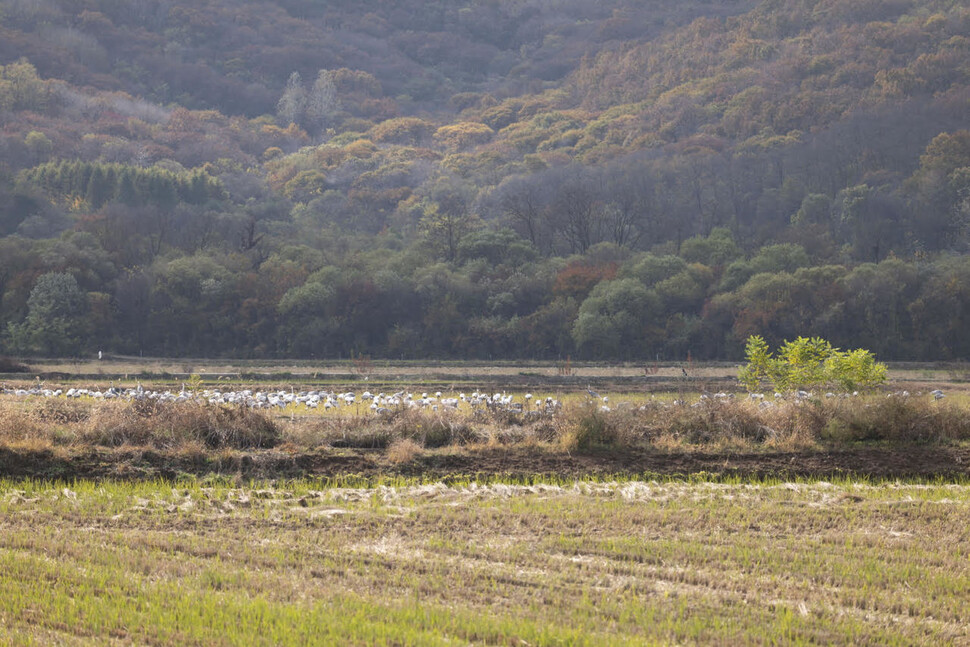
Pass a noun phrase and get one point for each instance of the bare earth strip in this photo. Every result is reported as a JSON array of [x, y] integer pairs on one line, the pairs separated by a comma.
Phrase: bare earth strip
[[925, 462]]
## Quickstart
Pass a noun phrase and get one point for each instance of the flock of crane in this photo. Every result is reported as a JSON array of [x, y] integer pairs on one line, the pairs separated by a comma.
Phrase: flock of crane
[[379, 403]]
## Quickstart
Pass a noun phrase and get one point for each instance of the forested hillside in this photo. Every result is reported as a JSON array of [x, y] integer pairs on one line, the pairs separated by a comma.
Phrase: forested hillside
[[485, 178]]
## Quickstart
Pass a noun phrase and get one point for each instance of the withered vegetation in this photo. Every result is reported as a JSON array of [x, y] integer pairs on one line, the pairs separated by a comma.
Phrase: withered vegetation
[[582, 435]]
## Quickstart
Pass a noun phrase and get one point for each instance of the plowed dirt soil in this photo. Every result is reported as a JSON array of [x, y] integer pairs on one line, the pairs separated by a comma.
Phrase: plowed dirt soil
[[93, 463]]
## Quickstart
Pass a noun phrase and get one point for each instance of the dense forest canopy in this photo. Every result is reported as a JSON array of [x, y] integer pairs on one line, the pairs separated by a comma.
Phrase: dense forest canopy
[[488, 178]]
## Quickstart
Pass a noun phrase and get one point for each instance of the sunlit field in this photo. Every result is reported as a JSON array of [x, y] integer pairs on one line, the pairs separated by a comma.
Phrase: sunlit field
[[207, 509], [550, 563]]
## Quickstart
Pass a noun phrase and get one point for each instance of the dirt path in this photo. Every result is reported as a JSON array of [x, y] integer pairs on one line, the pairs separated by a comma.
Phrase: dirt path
[[97, 463]]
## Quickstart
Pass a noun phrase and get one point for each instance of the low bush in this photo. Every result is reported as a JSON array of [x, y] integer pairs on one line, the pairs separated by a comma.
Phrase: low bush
[[10, 365], [587, 428]]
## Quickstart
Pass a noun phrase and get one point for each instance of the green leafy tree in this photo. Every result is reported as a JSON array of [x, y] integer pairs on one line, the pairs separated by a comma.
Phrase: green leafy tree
[[444, 229], [38, 145], [21, 88], [100, 188], [56, 323], [308, 319], [717, 249], [856, 369], [496, 246], [617, 320], [806, 363], [759, 366], [802, 363]]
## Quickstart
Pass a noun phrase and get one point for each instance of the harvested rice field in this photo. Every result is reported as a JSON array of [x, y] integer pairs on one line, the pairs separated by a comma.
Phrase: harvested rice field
[[498, 562]]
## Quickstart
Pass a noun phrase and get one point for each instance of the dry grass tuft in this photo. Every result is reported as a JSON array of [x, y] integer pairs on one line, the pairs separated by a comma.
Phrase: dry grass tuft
[[357, 432], [710, 423], [62, 411], [168, 426], [894, 419], [404, 450], [16, 424], [434, 429], [586, 427]]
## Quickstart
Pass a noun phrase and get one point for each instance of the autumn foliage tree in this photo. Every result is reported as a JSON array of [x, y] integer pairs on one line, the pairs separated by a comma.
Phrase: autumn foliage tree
[[502, 179]]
